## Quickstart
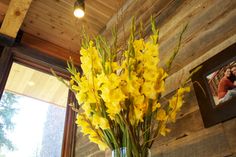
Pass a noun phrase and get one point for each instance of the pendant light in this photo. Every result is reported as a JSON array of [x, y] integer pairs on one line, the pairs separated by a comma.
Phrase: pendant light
[[79, 8]]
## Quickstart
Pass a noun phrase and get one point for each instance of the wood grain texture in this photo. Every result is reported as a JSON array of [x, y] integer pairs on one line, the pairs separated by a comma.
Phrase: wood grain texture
[[174, 79], [209, 23], [3, 8], [14, 17], [54, 21], [211, 28], [35, 84], [230, 127], [205, 143], [49, 48]]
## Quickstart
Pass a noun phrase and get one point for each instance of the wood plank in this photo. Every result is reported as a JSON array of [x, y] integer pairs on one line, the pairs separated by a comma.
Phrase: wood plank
[[205, 143], [49, 48], [3, 9], [213, 19], [98, 154], [184, 127], [71, 45], [217, 24], [62, 13], [230, 129], [86, 148], [190, 102], [58, 22], [124, 16], [57, 32], [172, 82], [111, 4], [65, 11], [14, 17], [101, 8]]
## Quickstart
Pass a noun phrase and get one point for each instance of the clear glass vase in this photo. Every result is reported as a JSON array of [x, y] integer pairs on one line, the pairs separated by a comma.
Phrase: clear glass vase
[[123, 152]]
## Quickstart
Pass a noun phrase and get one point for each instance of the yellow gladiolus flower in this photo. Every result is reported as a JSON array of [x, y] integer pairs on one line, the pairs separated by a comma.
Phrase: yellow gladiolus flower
[[102, 146], [138, 45], [150, 75], [138, 113], [173, 115], [155, 106], [182, 90], [148, 90], [72, 82], [161, 115], [85, 126], [77, 77], [151, 49], [101, 122], [176, 102], [139, 100], [113, 108], [164, 130], [80, 121], [76, 88], [88, 131], [160, 86], [119, 91], [81, 97], [87, 108]]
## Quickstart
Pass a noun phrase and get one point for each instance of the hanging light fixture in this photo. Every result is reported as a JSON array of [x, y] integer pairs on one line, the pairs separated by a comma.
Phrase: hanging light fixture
[[79, 8]]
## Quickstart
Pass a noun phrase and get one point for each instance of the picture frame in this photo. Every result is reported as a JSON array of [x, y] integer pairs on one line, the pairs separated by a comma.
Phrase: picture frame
[[209, 82]]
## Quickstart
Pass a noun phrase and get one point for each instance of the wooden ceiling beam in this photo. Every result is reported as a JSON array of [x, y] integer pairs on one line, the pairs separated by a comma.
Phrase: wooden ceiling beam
[[15, 15], [3, 9], [49, 48]]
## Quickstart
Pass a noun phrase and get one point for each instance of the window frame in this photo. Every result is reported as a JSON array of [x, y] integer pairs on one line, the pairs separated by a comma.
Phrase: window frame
[[40, 61]]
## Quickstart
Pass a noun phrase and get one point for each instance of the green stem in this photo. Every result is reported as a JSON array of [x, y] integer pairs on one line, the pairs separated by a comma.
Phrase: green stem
[[132, 140]]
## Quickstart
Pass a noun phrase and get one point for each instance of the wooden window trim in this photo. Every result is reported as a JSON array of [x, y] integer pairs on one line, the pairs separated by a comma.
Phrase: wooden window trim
[[42, 62]]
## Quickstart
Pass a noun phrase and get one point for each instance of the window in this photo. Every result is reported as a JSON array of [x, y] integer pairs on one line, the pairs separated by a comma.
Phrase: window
[[35, 106], [24, 86]]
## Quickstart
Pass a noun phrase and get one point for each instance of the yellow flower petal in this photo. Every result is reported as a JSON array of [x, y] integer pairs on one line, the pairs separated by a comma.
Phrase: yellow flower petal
[[161, 115]]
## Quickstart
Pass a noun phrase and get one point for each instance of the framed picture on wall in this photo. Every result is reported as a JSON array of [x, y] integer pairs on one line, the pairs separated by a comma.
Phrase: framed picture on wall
[[215, 87]]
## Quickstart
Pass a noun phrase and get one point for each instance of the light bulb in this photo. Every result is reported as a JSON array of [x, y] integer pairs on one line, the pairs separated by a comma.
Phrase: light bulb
[[78, 12]]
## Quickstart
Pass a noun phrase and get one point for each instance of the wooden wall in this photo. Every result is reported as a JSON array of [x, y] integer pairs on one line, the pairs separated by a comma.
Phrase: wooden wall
[[211, 28]]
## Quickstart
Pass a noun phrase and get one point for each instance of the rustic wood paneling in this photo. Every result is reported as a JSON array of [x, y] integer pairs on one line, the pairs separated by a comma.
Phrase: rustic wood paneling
[[229, 128], [209, 23], [205, 143], [3, 5], [53, 20], [211, 28], [183, 73], [188, 137], [49, 48]]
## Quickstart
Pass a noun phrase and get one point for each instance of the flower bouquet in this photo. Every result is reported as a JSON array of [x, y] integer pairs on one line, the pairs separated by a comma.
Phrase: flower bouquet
[[119, 92]]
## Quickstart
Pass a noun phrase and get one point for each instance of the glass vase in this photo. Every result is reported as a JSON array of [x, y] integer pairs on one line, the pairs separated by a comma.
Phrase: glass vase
[[123, 152]]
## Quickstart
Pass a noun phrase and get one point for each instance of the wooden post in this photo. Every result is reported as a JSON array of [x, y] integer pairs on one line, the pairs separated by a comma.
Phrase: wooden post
[[15, 15]]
